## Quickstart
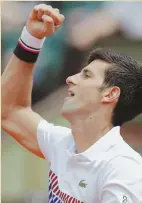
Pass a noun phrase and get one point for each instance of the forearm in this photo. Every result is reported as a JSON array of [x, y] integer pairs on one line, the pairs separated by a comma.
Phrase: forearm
[[17, 82], [17, 78]]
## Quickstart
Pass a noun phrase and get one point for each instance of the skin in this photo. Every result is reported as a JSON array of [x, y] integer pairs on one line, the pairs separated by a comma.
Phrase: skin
[[89, 105]]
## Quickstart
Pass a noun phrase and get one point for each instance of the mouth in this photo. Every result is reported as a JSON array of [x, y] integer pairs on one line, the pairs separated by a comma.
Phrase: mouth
[[71, 94]]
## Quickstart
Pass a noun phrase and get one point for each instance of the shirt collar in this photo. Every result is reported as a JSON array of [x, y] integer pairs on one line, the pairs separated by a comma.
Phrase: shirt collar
[[102, 145]]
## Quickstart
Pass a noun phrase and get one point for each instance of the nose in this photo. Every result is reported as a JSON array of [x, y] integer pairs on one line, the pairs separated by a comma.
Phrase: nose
[[72, 80], [68, 81]]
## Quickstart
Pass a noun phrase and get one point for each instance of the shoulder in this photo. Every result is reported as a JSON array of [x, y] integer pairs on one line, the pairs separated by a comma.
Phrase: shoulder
[[121, 176], [121, 162], [49, 129], [123, 169], [124, 157], [54, 135]]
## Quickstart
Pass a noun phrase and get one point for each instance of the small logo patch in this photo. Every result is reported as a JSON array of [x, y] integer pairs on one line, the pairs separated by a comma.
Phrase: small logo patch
[[82, 184]]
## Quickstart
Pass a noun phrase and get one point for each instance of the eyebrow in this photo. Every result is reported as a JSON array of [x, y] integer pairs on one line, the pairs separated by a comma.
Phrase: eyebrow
[[85, 70]]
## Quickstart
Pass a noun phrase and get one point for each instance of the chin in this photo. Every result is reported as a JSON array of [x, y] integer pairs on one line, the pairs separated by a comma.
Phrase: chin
[[67, 112]]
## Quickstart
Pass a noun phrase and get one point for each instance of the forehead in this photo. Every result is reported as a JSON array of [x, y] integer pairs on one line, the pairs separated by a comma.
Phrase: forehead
[[98, 67]]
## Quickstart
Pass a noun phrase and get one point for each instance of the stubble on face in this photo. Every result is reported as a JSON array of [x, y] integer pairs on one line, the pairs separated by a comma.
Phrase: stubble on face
[[87, 86]]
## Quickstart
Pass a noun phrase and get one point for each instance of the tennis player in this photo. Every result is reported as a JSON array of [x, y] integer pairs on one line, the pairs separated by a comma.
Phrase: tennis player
[[89, 163]]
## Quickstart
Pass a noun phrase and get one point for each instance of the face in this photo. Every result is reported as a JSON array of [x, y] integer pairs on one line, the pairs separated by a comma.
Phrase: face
[[84, 95]]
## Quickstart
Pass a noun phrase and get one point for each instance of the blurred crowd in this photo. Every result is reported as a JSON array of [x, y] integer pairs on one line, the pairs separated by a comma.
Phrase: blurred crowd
[[86, 24]]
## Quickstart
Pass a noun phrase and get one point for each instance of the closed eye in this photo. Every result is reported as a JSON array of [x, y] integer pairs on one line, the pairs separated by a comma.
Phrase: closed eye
[[86, 73], [86, 76]]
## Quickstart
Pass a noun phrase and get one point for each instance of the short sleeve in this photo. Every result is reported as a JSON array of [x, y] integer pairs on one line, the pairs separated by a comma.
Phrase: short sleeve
[[122, 182], [51, 137]]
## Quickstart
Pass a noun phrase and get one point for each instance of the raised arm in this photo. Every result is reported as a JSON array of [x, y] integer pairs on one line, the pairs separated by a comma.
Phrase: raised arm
[[18, 119]]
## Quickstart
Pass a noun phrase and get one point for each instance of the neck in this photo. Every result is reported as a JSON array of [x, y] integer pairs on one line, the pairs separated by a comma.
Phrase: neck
[[89, 129]]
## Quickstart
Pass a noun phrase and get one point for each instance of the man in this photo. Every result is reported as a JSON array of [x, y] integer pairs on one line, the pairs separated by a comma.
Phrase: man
[[91, 162]]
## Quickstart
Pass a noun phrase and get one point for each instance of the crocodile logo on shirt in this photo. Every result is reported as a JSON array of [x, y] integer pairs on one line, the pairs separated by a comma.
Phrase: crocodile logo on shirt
[[82, 184]]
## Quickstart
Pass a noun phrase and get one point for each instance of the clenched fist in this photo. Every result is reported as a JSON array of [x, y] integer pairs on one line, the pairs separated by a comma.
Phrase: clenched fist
[[44, 21]]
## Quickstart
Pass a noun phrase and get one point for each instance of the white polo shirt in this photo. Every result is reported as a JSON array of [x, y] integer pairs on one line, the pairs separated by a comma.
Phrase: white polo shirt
[[110, 171]]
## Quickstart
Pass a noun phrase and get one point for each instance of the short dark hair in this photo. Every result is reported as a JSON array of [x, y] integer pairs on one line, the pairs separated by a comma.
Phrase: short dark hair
[[126, 73]]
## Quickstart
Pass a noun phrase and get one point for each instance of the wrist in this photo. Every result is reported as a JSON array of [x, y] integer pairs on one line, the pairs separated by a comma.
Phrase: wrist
[[28, 47], [37, 35], [30, 40]]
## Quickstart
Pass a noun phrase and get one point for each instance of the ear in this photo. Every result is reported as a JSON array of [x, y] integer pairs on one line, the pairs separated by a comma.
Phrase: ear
[[111, 95]]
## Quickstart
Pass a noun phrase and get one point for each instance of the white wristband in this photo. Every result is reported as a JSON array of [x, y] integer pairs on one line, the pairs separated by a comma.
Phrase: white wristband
[[30, 40]]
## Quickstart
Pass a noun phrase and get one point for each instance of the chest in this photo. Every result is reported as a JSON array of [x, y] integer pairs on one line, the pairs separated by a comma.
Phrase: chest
[[73, 181]]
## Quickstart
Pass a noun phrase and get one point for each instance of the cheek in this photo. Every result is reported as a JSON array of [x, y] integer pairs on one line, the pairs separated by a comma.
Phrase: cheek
[[89, 95]]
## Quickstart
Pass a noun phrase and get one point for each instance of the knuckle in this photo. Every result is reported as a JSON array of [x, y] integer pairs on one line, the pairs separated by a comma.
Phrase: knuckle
[[42, 6], [38, 6], [40, 9], [35, 7], [56, 9], [48, 7]]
